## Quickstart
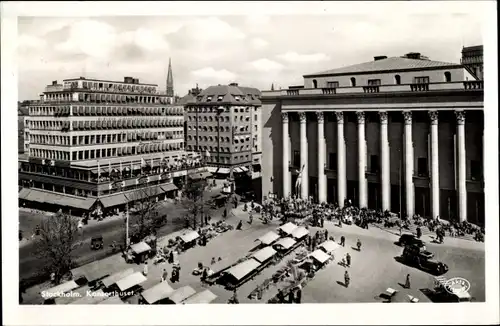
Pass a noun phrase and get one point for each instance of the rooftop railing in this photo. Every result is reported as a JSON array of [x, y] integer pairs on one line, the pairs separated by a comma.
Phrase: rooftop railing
[[423, 87]]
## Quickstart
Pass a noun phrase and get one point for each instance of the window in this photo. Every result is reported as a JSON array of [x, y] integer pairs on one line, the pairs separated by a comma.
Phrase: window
[[332, 84], [476, 170], [219, 98], [422, 166], [209, 99], [447, 77], [332, 161], [315, 83], [374, 164], [373, 82], [397, 79], [296, 158], [421, 80], [353, 82]]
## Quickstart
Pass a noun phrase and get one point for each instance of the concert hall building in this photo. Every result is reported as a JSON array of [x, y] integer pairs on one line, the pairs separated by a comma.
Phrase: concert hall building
[[403, 134], [93, 143]]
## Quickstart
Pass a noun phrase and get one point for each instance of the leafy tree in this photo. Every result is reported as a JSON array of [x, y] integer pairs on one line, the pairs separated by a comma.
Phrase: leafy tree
[[146, 211], [56, 243], [193, 202]]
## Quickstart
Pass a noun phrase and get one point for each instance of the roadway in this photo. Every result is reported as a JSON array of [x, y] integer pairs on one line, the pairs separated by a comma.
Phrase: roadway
[[112, 229]]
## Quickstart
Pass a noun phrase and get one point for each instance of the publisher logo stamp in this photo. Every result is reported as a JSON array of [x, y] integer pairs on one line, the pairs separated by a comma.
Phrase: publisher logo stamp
[[457, 285]]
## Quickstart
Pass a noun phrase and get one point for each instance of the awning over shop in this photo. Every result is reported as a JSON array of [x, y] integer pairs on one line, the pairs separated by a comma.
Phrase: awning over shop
[[288, 228], [182, 294], [243, 269], [142, 193], [190, 236], [140, 247], [112, 279], [169, 187], [223, 171], [157, 293], [202, 297], [269, 238], [199, 176], [243, 168], [63, 288], [113, 200], [212, 169], [237, 170], [286, 243], [130, 281], [329, 246], [41, 196], [300, 232], [264, 254], [320, 256]]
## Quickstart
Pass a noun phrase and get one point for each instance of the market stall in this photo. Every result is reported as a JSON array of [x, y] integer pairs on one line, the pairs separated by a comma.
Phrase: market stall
[[287, 229], [181, 294], [139, 252], [268, 238], [156, 294], [188, 239], [201, 297]]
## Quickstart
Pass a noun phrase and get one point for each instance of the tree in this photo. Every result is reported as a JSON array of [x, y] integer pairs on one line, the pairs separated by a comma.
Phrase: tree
[[146, 210], [58, 235], [193, 202]]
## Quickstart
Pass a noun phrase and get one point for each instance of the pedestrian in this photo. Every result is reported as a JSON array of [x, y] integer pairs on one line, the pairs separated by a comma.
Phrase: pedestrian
[[213, 261], [348, 259], [204, 274], [407, 283], [225, 213], [171, 257], [342, 241], [281, 296], [145, 271], [298, 297], [347, 279], [326, 235], [358, 244], [164, 276]]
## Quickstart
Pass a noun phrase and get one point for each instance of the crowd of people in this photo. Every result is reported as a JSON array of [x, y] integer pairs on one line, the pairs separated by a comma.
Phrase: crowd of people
[[315, 213]]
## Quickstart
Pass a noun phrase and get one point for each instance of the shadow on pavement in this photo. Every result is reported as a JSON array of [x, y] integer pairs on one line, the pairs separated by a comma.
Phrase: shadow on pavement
[[342, 284]]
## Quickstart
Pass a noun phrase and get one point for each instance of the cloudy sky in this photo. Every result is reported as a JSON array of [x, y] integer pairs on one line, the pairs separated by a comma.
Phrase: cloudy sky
[[251, 50]]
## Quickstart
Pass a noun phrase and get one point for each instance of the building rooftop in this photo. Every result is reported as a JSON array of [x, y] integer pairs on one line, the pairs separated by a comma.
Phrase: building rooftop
[[388, 64], [472, 48], [126, 80], [228, 94]]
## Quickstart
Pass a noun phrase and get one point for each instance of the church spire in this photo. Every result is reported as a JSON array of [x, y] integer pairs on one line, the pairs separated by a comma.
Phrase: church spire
[[170, 79]]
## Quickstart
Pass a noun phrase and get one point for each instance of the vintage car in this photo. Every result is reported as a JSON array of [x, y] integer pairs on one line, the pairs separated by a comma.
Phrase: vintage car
[[408, 239], [423, 260]]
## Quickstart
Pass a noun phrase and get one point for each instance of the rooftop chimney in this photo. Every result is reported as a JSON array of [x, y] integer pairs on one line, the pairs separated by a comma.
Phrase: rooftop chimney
[[234, 84], [380, 57], [413, 55], [128, 80], [54, 82]]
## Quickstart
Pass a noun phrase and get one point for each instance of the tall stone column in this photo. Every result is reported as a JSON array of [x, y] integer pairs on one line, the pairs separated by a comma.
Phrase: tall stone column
[[433, 115], [321, 158], [462, 189], [410, 195], [386, 172], [286, 157], [362, 160], [341, 159], [304, 188]]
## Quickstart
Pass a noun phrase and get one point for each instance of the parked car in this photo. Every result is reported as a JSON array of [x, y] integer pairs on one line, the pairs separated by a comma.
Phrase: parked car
[[423, 260], [408, 239]]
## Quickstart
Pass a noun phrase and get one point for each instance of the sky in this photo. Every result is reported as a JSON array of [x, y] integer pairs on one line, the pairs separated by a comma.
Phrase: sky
[[254, 50]]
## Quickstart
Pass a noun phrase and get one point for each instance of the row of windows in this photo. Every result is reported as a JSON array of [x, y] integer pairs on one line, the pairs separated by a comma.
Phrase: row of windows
[[105, 152], [220, 129], [377, 82], [104, 124], [222, 139], [374, 165], [221, 119], [115, 98], [50, 140], [120, 87], [214, 110], [227, 160], [103, 110]]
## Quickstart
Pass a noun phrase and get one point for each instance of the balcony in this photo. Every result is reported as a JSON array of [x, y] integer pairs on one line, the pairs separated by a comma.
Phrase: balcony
[[458, 85]]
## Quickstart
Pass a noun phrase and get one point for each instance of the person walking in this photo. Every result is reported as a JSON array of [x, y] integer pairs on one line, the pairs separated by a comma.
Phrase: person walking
[[347, 279], [348, 260], [164, 276], [407, 283], [358, 244], [342, 241]]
